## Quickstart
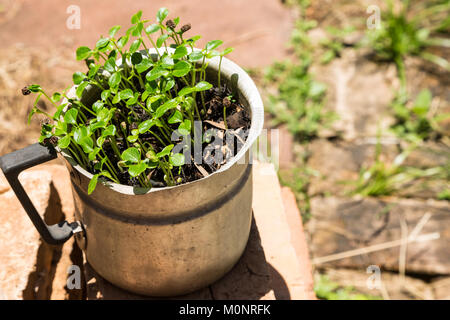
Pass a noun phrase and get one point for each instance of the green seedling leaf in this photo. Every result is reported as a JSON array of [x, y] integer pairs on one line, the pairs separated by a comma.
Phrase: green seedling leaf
[[177, 160], [103, 115], [162, 14], [80, 89], [152, 28], [161, 40], [151, 155], [116, 99], [422, 103], [132, 138], [145, 95], [92, 155], [79, 134], [95, 125], [181, 68], [102, 44], [135, 45], [35, 88], [56, 97], [156, 73], [78, 77], [64, 142], [71, 116], [185, 127], [180, 52], [136, 169], [83, 53], [110, 65], [167, 62], [226, 51], [185, 91], [136, 17], [212, 54], [98, 105], [165, 151], [202, 86], [92, 184], [126, 94], [93, 71], [213, 44], [133, 100], [165, 107], [87, 144], [105, 94], [168, 85], [115, 79], [137, 30], [131, 154], [194, 39], [122, 42], [113, 31], [176, 117], [101, 141], [145, 125], [144, 65], [61, 128], [195, 56], [109, 131]]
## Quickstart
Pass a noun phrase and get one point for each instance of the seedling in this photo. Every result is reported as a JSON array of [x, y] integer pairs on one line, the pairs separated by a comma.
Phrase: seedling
[[416, 120], [410, 31], [125, 135]]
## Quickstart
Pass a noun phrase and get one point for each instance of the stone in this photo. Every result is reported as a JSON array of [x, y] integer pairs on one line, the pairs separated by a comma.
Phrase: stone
[[338, 163], [428, 155], [441, 288], [359, 92], [342, 224], [392, 286]]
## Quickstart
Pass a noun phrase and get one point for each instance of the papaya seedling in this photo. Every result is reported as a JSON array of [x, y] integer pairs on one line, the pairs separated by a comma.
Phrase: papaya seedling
[[125, 135]]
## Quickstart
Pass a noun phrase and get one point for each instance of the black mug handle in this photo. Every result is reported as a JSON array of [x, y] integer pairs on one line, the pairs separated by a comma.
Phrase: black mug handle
[[14, 163]]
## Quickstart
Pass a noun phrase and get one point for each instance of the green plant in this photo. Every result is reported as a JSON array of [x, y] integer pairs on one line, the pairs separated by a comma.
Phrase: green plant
[[410, 31], [126, 135], [328, 290], [383, 179], [333, 43], [299, 99], [415, 120]]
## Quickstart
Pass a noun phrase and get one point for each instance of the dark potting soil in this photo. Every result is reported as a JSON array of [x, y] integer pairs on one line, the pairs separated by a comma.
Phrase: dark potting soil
[[212, 156]]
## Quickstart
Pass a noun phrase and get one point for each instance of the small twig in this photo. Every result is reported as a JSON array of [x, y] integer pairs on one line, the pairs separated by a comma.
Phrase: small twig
[[202, 170], [374, 248]]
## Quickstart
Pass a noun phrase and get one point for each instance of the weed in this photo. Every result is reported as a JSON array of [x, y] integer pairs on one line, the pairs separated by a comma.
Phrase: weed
[[383, 179], [333, 43], [328, 290], [414, 119], [406, 32]]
